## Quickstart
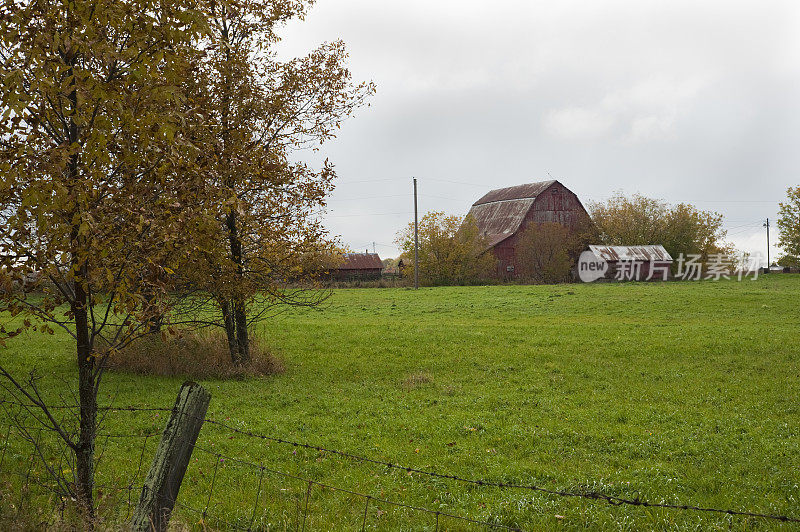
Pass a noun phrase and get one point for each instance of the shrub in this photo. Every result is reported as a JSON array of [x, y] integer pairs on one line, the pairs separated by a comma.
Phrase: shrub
[[196, 354], [543, 253], [451, 251]]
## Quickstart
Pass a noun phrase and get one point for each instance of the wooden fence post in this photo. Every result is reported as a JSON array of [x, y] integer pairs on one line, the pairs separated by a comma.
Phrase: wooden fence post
[[172, 457]]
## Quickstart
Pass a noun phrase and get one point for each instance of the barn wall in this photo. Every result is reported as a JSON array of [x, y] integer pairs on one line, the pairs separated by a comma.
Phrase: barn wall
[[556, 204], [504, 253], [365, 274]]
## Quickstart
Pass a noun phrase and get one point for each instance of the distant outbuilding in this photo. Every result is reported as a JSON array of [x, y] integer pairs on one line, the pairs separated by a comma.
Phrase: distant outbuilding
[[502, 214], [359, 266], [634, 263]]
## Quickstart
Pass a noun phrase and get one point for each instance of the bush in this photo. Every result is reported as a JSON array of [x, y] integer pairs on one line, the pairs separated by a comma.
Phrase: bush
[[394, 281], [543, 253], [195, 354], [638, 221], [451, 251]]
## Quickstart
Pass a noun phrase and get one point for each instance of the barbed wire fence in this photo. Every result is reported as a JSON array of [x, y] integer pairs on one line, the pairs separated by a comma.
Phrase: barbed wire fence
[[127, 492], [38, 451]]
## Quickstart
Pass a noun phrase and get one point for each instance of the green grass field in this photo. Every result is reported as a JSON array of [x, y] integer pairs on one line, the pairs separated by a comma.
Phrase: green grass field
[[685, 392]]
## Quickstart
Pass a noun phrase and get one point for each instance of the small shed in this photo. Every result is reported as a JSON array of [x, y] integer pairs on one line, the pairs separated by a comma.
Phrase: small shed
[[359, 266], [634, 263]]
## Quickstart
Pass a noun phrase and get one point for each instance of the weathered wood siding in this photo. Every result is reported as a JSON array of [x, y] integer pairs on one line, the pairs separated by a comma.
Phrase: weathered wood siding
[[555, 204]]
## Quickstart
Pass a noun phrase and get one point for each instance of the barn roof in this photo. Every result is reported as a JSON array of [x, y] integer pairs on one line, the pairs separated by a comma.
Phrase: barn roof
[[500, 212], [361, 261], [632, 253], [519, 192]]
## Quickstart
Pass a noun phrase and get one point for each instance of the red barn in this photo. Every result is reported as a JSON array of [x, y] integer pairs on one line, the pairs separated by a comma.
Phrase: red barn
[[359, 266], [502, 214]]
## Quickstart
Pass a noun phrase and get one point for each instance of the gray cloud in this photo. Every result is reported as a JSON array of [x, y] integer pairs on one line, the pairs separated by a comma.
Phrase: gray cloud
[[686, 101]]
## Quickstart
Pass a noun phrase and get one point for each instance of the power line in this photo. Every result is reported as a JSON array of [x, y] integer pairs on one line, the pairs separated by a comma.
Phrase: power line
[[486, 186], [440, 197], [372, 243], [751, 229], [381, 179], [735, 201], [752, 224], [332, 198], [400, 180], [455, 182], [369, 214]]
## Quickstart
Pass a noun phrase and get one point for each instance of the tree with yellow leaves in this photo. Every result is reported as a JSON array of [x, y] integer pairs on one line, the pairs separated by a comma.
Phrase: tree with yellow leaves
[[451, 250], [639, 220], [260, 214], [789, 227], [90, 139]]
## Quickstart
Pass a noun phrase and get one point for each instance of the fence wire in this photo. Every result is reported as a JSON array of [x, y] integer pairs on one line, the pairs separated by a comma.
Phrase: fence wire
[[131, 487], [593, 495], [310, 482]]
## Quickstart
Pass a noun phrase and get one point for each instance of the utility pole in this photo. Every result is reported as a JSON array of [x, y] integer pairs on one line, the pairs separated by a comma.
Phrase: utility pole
[[766, 224], [416, 240], [373, 248]]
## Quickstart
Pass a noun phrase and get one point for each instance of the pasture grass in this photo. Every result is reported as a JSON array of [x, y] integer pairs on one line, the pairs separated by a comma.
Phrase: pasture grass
[[680, 392]]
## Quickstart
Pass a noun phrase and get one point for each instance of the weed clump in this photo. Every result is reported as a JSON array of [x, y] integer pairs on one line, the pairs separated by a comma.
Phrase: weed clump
[[416, 380], [195, 354]]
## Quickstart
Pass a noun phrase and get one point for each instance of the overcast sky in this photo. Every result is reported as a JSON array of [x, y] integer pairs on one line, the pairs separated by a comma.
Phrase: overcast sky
[[687, 101]]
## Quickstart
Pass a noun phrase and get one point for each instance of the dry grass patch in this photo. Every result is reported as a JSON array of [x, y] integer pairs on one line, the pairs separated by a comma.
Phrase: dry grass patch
[[416, 380], [195, 354]]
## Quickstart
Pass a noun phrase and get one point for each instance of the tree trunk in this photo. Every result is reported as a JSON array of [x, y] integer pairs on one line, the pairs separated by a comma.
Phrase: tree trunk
[[235, 310], [238, 308], [87, 392], [154, 323], [230, 330], [241, 333], [84, 453]]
